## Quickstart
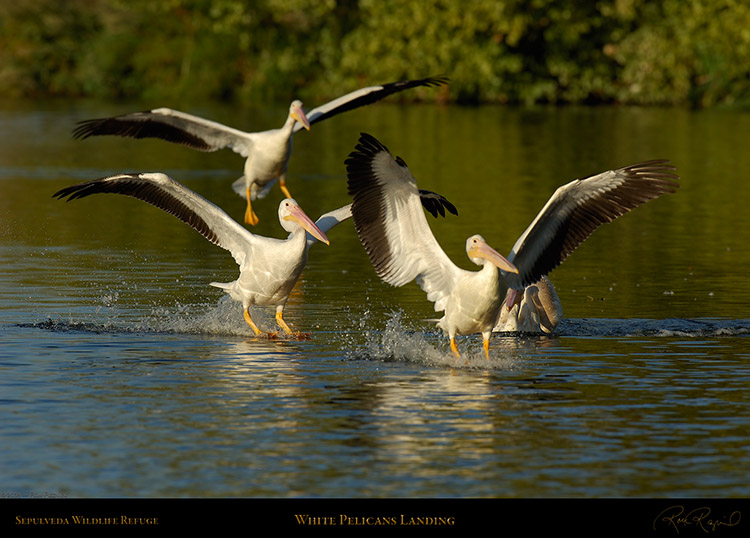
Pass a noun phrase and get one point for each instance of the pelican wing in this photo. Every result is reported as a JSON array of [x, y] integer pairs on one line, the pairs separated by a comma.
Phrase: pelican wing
[[433, 202], [436, 203], [366, 96], [391, 224], [580, 207], [172, 126], [167, 194], [328, 220]]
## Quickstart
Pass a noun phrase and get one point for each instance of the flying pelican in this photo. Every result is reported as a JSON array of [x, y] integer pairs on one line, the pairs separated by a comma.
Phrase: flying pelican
[[267, 153], [402, 248], [269, 268]]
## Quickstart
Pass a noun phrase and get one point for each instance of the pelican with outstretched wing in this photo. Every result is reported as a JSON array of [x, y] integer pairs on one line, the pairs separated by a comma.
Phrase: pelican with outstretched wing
[[267, 153], [269, 267], [402, 248]]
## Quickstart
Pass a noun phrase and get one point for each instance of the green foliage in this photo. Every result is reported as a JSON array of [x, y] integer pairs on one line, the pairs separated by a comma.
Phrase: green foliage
[[694, 51], [516, 51]]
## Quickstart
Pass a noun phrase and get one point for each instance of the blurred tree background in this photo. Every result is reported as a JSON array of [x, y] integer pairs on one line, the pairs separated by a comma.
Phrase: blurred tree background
[[665, 52]]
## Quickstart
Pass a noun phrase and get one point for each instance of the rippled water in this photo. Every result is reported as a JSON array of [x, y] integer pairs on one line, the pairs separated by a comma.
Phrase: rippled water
[[122, 373]]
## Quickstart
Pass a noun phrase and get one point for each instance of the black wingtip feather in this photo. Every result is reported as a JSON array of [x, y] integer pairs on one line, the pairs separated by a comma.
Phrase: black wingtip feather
[[139, 125], [436, 203], [382, 91], [134, 186]]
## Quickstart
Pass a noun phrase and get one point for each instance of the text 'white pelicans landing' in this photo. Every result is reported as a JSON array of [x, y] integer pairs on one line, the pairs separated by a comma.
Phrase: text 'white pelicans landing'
[[394, 232], [267, 153], [269, 268]]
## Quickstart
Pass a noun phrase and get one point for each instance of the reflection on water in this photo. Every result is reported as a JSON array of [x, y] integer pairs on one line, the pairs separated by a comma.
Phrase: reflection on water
[[123, 373]]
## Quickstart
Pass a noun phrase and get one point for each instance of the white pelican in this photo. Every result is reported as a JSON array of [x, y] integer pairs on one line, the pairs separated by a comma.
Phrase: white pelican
[[402, 248], [269, 268], [537, 309], [267, 153]]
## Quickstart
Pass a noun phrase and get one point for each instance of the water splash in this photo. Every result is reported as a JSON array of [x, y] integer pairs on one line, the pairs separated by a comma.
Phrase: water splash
[[385, 336], [404, 340], [220, 319]]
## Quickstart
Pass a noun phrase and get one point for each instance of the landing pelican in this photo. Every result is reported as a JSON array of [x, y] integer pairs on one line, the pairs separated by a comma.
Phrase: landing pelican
[[402, 248], [269, 268], [267, 153]]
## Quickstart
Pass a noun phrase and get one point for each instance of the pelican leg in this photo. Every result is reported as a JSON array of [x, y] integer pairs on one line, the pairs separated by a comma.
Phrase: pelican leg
[[486, 346], [454, 347], [282, 184], [280, 321], [250, 216], [249, 320]]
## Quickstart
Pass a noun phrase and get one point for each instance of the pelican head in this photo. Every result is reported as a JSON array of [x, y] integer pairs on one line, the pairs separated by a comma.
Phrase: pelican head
[[296, 113], [291, 217], [479, 252]]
